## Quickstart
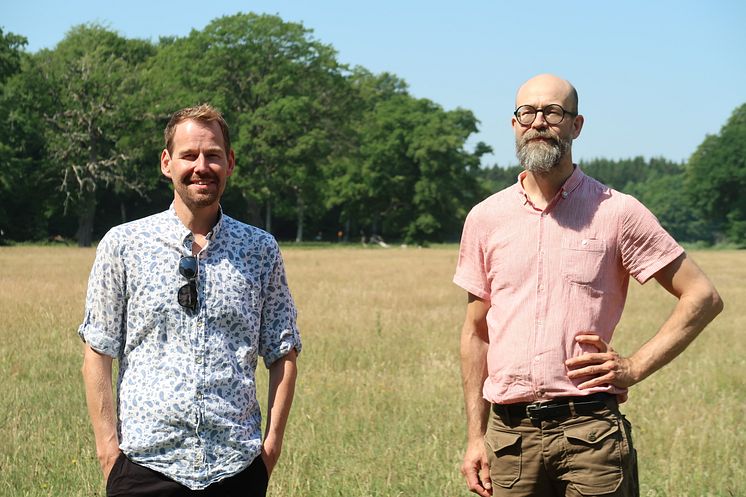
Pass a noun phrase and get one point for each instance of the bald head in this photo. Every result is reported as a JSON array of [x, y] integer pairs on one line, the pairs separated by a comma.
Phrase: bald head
[[546, 89]]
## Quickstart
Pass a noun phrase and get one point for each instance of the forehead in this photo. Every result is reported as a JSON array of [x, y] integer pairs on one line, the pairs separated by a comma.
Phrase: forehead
[[192, 133], [544, 91]]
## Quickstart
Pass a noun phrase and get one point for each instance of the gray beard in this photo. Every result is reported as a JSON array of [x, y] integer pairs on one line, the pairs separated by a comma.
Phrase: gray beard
[[541, 157]]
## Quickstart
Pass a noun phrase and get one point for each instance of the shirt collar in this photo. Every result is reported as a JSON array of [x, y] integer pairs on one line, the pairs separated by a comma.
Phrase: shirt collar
[[184, 234], [570, 185]]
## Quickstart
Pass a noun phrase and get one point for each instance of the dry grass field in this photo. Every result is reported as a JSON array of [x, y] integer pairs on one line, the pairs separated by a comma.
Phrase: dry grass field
[[378, 409]]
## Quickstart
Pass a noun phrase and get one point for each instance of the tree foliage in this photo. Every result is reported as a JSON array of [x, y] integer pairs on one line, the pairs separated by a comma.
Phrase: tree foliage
[[716, 178], [320, 147]]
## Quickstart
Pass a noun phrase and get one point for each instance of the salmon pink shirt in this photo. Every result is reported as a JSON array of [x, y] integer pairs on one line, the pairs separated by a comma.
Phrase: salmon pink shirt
[[552, 275]]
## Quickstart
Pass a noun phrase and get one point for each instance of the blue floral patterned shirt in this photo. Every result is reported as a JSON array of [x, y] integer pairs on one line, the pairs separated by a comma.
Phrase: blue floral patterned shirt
[[186, 392]]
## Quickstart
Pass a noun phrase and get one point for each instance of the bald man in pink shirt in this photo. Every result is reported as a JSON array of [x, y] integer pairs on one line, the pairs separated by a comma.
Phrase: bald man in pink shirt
[[546, 264]]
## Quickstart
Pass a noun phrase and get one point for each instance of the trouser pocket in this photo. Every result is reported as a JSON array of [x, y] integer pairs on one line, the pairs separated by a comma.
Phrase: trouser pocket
[[114, 473], [504, 455], [594, 453]]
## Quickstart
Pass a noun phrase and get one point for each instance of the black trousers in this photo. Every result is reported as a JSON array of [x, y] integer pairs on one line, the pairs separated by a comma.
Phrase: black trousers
[[129, 479]]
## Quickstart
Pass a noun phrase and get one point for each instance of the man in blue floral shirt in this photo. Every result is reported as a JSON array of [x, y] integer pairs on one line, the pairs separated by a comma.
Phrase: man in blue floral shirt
[[186, 300]]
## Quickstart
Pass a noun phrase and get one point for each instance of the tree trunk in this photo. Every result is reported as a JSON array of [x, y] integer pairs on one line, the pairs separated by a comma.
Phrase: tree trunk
[[268, 216], [347, 230], [123, 211], [86, 215], [253, 213], [301, 209]]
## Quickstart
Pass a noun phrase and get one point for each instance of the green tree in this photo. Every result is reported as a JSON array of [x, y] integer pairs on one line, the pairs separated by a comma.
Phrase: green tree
[[23, 189], [92, 137], [666, 197], [410, 176], [281, 91], [716, 178]]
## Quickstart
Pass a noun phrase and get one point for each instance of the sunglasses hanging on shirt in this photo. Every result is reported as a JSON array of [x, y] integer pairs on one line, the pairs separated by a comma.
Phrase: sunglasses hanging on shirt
[[187, 294]]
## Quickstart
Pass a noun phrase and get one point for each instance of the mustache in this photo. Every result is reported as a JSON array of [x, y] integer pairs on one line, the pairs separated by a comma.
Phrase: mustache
[[199, 177], [543, 134]]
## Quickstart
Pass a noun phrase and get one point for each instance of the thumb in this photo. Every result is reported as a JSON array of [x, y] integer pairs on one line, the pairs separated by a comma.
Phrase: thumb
[[484, 476]]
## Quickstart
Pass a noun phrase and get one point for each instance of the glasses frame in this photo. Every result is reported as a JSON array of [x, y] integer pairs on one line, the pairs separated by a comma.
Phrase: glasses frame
[[536, 113], [186, 296]]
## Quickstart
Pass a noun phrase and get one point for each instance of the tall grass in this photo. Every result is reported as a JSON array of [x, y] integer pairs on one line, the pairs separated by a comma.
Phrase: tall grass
[[378, 407]]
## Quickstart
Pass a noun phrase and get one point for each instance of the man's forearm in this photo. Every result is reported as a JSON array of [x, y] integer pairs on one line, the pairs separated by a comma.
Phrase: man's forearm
[[282, 375], [473, 375], [100, 399], [690, 316]]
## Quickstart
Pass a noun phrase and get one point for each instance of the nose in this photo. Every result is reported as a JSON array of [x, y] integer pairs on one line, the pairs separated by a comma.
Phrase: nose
[[539, 121], [201, 162]]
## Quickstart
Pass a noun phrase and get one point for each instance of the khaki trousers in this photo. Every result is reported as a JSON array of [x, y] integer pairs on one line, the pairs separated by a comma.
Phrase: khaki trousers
[[577, 456]]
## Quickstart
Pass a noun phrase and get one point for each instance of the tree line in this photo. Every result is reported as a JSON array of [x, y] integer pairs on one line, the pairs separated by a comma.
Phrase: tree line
[[321, 147]]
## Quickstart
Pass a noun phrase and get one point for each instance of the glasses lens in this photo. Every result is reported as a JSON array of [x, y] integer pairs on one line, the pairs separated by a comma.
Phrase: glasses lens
[[525, 114], [553, 114], [187, 295], [188, 267]]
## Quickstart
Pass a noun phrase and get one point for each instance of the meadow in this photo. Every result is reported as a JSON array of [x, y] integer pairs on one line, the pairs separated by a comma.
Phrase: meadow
[[378, 408]]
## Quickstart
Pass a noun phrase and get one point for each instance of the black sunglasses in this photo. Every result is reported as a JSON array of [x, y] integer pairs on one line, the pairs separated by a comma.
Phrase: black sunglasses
[[187, 294]]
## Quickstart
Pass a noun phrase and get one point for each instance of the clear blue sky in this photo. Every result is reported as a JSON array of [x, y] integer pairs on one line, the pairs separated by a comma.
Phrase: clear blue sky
[[654, 77]]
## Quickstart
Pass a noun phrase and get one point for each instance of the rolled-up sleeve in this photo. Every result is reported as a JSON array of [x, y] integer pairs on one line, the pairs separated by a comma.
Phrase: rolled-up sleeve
[[645, 246], [103, 323], [279, 331]]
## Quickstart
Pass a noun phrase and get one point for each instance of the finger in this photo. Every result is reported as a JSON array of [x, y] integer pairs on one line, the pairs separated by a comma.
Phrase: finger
[[473, 483], [594, 340], [484, 477], [607, 367], [600, 381], [588, 359]]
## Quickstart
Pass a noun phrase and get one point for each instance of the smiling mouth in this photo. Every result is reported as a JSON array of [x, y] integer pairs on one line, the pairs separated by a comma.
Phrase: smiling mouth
[[202, 182]]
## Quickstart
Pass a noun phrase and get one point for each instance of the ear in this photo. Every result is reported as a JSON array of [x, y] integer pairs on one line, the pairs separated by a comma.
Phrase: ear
[[231, 163], [166, 163], [514, 123], [577, 125]]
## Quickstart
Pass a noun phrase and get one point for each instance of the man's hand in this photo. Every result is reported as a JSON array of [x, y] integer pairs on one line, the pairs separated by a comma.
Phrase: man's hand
[[605, 367], [106, 461], [270, 456], [476, 469]]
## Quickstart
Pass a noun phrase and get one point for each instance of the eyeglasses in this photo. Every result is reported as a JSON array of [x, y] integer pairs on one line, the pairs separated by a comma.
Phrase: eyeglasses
[[187, 294], [553, 114]]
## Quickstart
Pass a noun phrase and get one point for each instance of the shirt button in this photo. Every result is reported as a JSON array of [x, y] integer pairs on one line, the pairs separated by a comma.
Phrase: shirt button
[[564, 194], [584, 242], [198, 359], [537, 359]]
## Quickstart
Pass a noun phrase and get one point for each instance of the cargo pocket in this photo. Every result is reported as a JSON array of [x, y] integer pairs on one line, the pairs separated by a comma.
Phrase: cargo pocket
[[504, 456], [594, 456]]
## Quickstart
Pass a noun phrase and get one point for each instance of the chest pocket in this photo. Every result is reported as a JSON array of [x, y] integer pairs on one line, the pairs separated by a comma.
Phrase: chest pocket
[[238, 295], [582, 259]]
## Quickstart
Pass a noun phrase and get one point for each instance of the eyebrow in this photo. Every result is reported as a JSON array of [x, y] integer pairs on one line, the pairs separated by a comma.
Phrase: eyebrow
[[195, 150]]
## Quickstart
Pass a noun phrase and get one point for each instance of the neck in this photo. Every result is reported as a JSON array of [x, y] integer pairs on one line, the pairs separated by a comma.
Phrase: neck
[[542, 188], [199, 220]]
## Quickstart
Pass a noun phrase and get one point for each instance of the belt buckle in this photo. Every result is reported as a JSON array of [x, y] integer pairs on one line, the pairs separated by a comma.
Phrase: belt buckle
[[534, 409]]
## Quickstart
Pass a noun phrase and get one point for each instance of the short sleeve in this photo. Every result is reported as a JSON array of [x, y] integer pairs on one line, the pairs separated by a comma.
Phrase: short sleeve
[[471, 274], [279, 331], [646, 247], [103, 323]]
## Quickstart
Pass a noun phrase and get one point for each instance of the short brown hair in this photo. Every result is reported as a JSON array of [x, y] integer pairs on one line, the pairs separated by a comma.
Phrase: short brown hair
[[204, 113]]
